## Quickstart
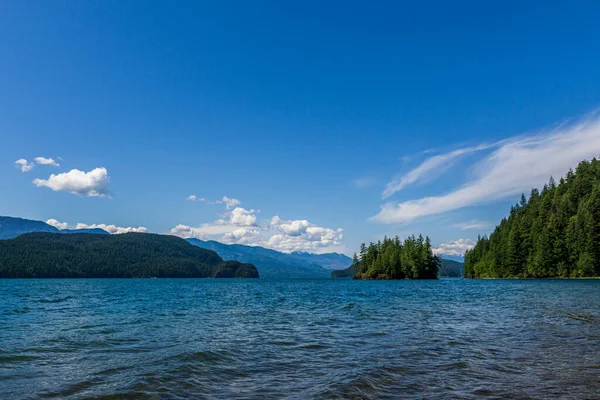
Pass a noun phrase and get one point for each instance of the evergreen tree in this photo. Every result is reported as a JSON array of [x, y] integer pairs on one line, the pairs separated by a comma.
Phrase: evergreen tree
[[555, 233], [393, 259]]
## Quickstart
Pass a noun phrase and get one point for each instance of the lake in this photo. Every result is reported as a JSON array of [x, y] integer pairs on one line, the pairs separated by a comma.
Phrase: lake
[[299, 339]]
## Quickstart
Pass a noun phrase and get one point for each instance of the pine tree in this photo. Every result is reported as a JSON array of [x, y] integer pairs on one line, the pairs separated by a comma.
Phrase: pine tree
[[556, 233]]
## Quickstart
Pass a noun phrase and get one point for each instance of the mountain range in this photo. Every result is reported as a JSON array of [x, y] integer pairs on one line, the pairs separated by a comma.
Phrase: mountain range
[[270, 263], [275, 264], [11, 227]]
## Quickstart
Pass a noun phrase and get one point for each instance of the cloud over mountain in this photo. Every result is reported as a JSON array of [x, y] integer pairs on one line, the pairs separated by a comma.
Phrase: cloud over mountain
[[454, 248], [241, 226]]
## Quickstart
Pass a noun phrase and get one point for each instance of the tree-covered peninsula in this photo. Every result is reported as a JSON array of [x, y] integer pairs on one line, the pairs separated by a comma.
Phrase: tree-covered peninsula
[[555, 233], [394, 259], [130, 255]]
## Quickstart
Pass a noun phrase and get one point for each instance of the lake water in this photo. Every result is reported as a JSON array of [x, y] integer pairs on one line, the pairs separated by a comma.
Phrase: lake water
[[299, 339]]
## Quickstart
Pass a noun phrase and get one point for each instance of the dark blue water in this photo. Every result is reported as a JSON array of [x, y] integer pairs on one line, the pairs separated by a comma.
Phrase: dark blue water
[[300, 339]]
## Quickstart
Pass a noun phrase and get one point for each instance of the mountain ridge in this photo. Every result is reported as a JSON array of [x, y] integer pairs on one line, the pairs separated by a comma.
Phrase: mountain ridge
[[11, 227], [128, 255], [270, 263]]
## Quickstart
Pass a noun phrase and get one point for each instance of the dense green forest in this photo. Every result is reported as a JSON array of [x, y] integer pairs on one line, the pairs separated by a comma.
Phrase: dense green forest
[[555, 233], [446, 269], [130, 255], [393, 259], [450, 269]]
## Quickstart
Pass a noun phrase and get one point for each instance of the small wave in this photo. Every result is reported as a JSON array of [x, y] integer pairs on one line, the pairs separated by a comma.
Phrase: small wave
[[59, 300], [16, 359]]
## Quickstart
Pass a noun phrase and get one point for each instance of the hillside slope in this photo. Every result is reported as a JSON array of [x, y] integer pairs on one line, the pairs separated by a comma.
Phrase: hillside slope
[[270, 263], [130, 255], [552, 234]]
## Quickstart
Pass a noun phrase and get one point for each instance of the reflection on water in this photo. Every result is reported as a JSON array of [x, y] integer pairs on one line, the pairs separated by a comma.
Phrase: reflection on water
[[178, 338]]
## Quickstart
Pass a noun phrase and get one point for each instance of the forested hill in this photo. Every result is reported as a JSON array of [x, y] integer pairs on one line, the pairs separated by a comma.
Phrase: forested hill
[[129, 255], [450, 269], [555, 233], [393, 259]]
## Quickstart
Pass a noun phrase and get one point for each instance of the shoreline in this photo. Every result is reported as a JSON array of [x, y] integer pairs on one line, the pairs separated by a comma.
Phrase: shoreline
[[540, 279]]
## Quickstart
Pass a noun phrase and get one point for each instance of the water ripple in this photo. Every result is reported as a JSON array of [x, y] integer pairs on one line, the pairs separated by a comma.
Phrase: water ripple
[[298, 339]]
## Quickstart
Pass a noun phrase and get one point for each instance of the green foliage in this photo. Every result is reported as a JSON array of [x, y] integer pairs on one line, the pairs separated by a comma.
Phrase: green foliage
[[555, 233], [130, 255], [392, 259], [450, 269]]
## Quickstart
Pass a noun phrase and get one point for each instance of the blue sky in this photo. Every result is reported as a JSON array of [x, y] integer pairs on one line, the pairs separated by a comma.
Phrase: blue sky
[[323, 125]]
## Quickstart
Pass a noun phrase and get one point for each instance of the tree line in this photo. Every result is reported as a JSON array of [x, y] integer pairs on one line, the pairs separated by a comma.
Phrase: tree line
[[393, 259], [555, 233]]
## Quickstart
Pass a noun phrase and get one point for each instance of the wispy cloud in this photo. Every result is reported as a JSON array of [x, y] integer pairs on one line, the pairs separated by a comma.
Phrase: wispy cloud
[[362, 183], [24, 165], [229, 202], [515, 166], [473, 225], [429, 169], [46, 161]]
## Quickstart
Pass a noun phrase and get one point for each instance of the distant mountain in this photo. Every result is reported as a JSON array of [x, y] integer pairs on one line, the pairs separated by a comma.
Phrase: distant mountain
[[327, 260], [11, 227], [345, 273], [451, 269], [447, 269], [270, 263], [95, 231], [129, 255]]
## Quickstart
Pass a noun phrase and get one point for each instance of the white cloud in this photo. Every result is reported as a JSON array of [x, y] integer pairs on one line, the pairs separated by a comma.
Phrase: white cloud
[[316, 239], [242, 236], [454, 248], [229, 202], [57, 224], [301, 235], [241, 217], [84, 184], [516, 166], [473, 225], [24, 165], [241, 226], [112, 229], [428, 169], [193, 197], [290, 228], [186, 232], [46, 161]]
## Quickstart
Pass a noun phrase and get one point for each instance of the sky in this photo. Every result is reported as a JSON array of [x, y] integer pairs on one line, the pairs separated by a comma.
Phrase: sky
[[297, 126]]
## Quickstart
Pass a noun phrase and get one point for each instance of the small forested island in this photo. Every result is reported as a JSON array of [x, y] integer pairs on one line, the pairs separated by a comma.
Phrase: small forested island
[[393, 259], [129, 255], [553, 234], [446, 269]]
